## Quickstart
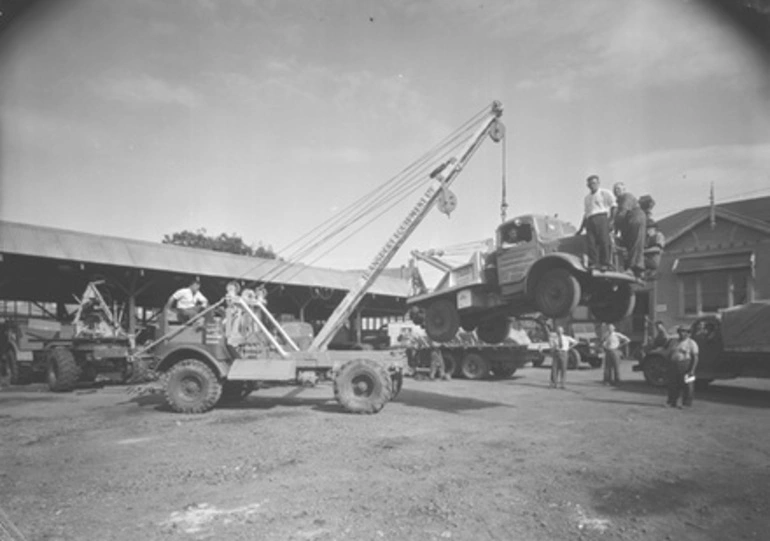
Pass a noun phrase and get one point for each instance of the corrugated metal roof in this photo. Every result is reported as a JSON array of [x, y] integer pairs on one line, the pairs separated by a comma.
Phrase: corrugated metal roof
[[62, 244]]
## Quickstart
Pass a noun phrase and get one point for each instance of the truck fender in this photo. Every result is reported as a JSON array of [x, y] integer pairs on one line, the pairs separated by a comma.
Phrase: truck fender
[[192, 351], [552, 261]]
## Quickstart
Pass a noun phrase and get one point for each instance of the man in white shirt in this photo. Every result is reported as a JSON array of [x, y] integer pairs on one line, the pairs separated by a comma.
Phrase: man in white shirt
[[188, 301], [560, 346], [599, 207], [612, 343]]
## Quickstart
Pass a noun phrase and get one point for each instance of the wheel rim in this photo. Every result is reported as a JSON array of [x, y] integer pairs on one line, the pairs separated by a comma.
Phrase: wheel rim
[[363, 386], [555, 294], [191, 387]]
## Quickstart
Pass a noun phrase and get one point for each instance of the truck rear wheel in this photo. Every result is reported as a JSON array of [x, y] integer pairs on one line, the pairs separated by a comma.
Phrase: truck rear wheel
[[474, 366], [441, 320], [557, 293], [192, 387], [363, 386], [612, 302], [63, 370], [654, 370], [494, 330]]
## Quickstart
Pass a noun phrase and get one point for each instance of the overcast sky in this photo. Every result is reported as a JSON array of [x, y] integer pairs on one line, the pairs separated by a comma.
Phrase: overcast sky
[[263, 118]]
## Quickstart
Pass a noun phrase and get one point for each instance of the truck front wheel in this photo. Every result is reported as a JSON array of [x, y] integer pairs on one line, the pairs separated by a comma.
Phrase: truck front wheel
[[363, 386], [441, 320], [192, 387], [493, 331], [63, 370], [557, 293]]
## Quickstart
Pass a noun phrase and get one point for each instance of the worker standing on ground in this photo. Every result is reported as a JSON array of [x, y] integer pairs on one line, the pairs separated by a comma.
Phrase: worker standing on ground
[[560, 346], [187, 302], [612, 343], [437, 367], [599, 206], [631, 224], [683, 360]]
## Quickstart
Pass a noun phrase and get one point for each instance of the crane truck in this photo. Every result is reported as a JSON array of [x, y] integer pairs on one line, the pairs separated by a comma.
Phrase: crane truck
[[200, 366]]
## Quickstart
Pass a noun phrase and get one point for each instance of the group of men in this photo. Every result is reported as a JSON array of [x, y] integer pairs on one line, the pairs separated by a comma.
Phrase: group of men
[[619, 214], [682, 354]]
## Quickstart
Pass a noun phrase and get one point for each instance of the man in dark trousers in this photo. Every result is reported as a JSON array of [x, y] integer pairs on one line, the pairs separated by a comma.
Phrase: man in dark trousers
[[682, 362], [631, 223], [560, 346], [599, 206]]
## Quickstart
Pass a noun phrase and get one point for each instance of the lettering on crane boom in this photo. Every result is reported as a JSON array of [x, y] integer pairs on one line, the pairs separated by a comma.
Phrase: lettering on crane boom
[[399, 234]]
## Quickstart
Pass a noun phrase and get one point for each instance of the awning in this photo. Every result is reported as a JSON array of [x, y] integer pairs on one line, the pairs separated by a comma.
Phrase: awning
[[741, 260]]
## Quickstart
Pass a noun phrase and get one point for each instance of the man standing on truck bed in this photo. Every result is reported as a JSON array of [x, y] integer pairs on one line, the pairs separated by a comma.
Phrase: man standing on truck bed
[[683, 360], [598, 212]]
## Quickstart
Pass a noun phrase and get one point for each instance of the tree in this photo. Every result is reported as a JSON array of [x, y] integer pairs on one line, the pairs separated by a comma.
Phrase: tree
[[233, 244]]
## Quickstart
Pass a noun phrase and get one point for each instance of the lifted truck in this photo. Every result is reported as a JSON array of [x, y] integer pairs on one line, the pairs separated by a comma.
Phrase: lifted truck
[[538, 265], [732, 344], [199, 365]]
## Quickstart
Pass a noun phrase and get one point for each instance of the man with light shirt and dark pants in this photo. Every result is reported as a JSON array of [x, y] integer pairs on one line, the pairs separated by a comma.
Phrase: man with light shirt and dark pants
[[683, 360], [613, 341], [560, 346], [598, 214]]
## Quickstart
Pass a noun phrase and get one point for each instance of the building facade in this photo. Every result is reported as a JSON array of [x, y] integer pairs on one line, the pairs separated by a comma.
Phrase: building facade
[[715, 257]]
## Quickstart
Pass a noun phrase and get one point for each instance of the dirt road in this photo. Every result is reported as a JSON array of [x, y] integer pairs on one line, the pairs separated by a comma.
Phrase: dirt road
[[507, 460]]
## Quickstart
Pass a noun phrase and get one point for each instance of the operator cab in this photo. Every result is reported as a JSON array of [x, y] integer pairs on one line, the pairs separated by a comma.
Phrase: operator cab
[[515, 233]]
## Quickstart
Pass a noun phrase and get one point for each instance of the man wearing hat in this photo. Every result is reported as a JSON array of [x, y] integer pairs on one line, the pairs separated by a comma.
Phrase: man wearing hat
[[653, 248], [683, 360], [188, 301]]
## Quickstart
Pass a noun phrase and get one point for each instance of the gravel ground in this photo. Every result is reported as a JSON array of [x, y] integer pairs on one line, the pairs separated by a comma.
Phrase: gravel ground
[[507, 460]]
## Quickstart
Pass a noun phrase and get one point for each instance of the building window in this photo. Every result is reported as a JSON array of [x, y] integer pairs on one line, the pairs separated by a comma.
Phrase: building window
[[708, 292]]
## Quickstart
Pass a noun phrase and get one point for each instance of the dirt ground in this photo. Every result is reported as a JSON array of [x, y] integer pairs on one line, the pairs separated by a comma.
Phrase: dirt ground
[[503, 460]]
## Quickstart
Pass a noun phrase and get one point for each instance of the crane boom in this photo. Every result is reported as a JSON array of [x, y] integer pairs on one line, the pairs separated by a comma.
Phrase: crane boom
[[442, 180]]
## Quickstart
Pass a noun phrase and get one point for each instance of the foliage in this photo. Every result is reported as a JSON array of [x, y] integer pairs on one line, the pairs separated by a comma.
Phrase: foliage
[[233, 244]]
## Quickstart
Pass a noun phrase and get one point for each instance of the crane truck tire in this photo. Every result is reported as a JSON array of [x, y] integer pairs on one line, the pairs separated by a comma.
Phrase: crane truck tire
[[63, 371], [573, 359], [556, 293], [441, 320], [363, 386], [612, 302], [192, 387], [494, 330], [474, 366]]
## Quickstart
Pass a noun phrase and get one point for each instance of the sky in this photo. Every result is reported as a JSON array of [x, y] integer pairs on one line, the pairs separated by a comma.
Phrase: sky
[[265, 118]]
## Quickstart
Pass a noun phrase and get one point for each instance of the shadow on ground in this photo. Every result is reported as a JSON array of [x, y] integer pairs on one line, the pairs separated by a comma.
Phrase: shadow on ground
[[720, 394]]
